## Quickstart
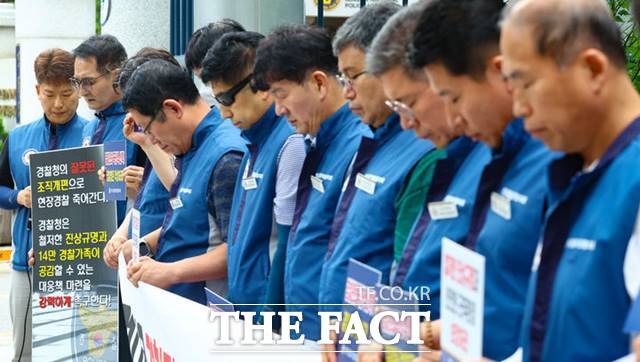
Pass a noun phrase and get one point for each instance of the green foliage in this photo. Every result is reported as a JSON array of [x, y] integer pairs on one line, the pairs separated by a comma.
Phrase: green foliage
[[621, 10], [3, 133], [98, 25]]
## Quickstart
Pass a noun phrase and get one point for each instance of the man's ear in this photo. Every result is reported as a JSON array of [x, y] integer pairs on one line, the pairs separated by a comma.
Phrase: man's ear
[[320, 83], [171, 106], [595, 65]]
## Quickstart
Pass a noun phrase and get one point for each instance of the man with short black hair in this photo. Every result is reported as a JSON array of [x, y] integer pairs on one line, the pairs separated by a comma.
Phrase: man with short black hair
[[296, 64], [97, 65], [509, 202], [203, 39], [152, 200], [266, 188], [570, 84], [60, 127], [190, 248]]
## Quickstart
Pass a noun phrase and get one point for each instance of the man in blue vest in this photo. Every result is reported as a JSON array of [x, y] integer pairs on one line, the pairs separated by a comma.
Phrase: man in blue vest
[[266, 187], [60, 127], [97, 63], [152, 200], [296, 64], [190, 248], [570, 83], [363, 227], [634, 253], [509, 202], [456, 173]]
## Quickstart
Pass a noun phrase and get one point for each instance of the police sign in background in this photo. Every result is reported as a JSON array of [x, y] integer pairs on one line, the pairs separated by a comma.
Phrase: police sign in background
[[75, 296]]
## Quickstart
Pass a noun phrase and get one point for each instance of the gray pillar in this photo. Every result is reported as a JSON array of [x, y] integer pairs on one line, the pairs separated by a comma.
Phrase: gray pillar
[[139, 23], [44, 24]]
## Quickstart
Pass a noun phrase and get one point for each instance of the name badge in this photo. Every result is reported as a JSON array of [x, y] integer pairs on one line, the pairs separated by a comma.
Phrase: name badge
[[501, 205], [249, 183], [442, 210], [316, 182], [175, 203], [365, 184]]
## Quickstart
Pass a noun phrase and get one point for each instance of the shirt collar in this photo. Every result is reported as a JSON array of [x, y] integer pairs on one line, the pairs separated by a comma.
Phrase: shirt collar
[[332, 126], [390, 128], [115, 109], [460, 147], [56, 128], [209, 123], [513, 138], [564, 169], [260, 130]]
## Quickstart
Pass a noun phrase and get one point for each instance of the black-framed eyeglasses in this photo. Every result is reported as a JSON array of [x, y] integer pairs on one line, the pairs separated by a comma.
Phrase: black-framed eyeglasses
[[228, 97], [85, 83], [347, 82], [146, 128]]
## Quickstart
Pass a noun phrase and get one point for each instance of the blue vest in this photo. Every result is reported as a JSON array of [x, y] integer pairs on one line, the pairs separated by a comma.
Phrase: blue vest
[[190, 227], [509, 245], [422, 262], [115, 115], [252, 211], [579, 282], [368, 221], [337, 140], [33, 138], [152, 204]]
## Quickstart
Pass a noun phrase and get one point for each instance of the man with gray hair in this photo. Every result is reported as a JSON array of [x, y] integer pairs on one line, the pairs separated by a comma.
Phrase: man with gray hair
[[570, 84], [380, 168], [401, 85], [456, 175]]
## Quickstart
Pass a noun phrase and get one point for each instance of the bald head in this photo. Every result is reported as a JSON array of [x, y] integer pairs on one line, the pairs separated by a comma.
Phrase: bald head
[[561, 29]]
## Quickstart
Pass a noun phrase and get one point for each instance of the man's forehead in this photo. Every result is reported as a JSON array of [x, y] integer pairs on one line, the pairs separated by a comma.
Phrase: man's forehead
[[61, 87], [399, 85], [351, 57], [283, 85], [85, 66]]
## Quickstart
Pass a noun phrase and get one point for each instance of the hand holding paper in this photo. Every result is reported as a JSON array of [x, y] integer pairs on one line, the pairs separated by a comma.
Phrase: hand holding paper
[[24, 197]]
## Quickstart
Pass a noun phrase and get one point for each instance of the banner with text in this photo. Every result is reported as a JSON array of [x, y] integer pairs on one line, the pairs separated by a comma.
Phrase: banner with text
[[75, 295]]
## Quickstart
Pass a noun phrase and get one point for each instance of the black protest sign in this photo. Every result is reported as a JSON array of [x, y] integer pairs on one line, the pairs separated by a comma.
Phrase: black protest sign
[[75, 295]]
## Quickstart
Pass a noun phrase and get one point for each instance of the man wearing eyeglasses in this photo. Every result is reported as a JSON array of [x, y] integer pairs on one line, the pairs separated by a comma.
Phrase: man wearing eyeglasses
[[190, 249], [454, 173], [60, 127], [97, 64], [266, 188], [380, 168], [296, 64], [509, 204]]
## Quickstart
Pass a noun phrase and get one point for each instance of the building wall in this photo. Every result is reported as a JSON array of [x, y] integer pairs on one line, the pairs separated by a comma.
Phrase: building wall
[[7, 63], [139, 23], [255, 15], [44, 24]]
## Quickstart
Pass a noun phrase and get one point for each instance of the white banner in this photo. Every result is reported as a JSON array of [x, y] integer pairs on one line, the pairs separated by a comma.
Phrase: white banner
[[167, 327], [462, 303], [339, 8]]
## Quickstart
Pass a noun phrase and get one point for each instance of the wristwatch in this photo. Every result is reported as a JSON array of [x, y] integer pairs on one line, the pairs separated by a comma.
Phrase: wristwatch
[[144, 248]]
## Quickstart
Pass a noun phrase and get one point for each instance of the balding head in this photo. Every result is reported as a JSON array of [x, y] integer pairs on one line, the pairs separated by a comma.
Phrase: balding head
[[561, 29]]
